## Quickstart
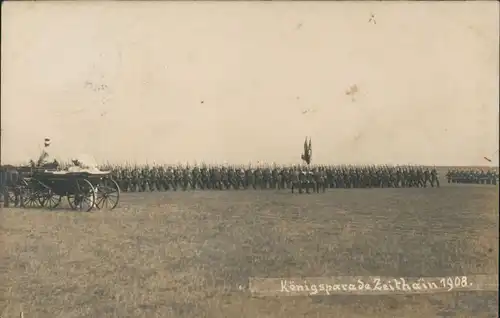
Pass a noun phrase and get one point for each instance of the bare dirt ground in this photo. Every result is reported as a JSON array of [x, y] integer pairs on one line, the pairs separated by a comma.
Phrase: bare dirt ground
[[185, 254]]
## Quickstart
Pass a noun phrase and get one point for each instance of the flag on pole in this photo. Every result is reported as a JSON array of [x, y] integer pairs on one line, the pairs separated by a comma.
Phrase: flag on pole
[[310, 148], [306, 156]]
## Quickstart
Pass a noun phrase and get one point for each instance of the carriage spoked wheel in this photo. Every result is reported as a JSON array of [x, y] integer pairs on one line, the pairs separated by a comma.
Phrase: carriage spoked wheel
[[47, 197], [83, 198], [50, 199], [30, 195], [30, 198], [107, 194]]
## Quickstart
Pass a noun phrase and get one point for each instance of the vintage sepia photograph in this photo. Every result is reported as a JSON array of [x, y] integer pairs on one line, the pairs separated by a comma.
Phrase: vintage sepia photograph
[[249, 159]]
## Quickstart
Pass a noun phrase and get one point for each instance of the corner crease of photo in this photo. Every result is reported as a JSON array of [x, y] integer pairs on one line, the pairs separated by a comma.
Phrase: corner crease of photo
[[231, 82]]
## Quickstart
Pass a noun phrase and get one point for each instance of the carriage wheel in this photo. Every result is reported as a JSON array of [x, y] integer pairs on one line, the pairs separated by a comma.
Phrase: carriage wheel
[[47, 198], [50, 200], [28, 194], [107, 194], [84, 198], [30, 198]]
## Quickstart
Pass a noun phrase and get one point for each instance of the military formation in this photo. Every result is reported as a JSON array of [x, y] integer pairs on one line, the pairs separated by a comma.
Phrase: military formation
[[476, 176], [293, 178], [296, 178], [300, 178]]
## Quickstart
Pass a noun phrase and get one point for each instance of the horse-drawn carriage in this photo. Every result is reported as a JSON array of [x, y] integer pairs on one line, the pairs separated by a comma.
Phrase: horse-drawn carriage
[[45, 186]]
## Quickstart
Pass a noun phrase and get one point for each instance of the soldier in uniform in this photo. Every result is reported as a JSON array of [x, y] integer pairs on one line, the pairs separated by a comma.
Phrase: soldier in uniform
[[319, 180], [178, 181], [144, 180], [224, 174], [196, 178], [420, 177], [127, 180], [186, 178], [434, 177], [169, 180], [297, 177], [266, 178], [205, 177], [259, 183], [427, 177], [241, 183], [275, 178], [215, 178], [249, 179], [160, 179], [284, 178], [136, 179]]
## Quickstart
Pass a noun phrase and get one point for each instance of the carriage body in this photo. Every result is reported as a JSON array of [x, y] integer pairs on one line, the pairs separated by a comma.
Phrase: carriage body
[[65, 183]]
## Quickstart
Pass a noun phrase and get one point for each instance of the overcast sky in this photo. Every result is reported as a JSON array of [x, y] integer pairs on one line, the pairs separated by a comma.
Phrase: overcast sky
[[238, 82]]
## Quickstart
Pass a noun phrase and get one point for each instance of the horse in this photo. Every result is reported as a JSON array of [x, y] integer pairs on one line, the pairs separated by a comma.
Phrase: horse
[[10, 179]]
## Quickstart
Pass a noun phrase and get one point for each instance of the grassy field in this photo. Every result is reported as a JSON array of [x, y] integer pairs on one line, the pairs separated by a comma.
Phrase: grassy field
[[188, 254]]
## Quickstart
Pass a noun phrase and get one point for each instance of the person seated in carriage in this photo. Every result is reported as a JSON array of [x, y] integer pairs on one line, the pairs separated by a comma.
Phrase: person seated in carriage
[[43, 161], [77, 165], [83, 162]]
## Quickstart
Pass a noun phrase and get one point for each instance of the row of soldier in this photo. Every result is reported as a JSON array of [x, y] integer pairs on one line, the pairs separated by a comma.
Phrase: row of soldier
[[477, 176], [307, 178]]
